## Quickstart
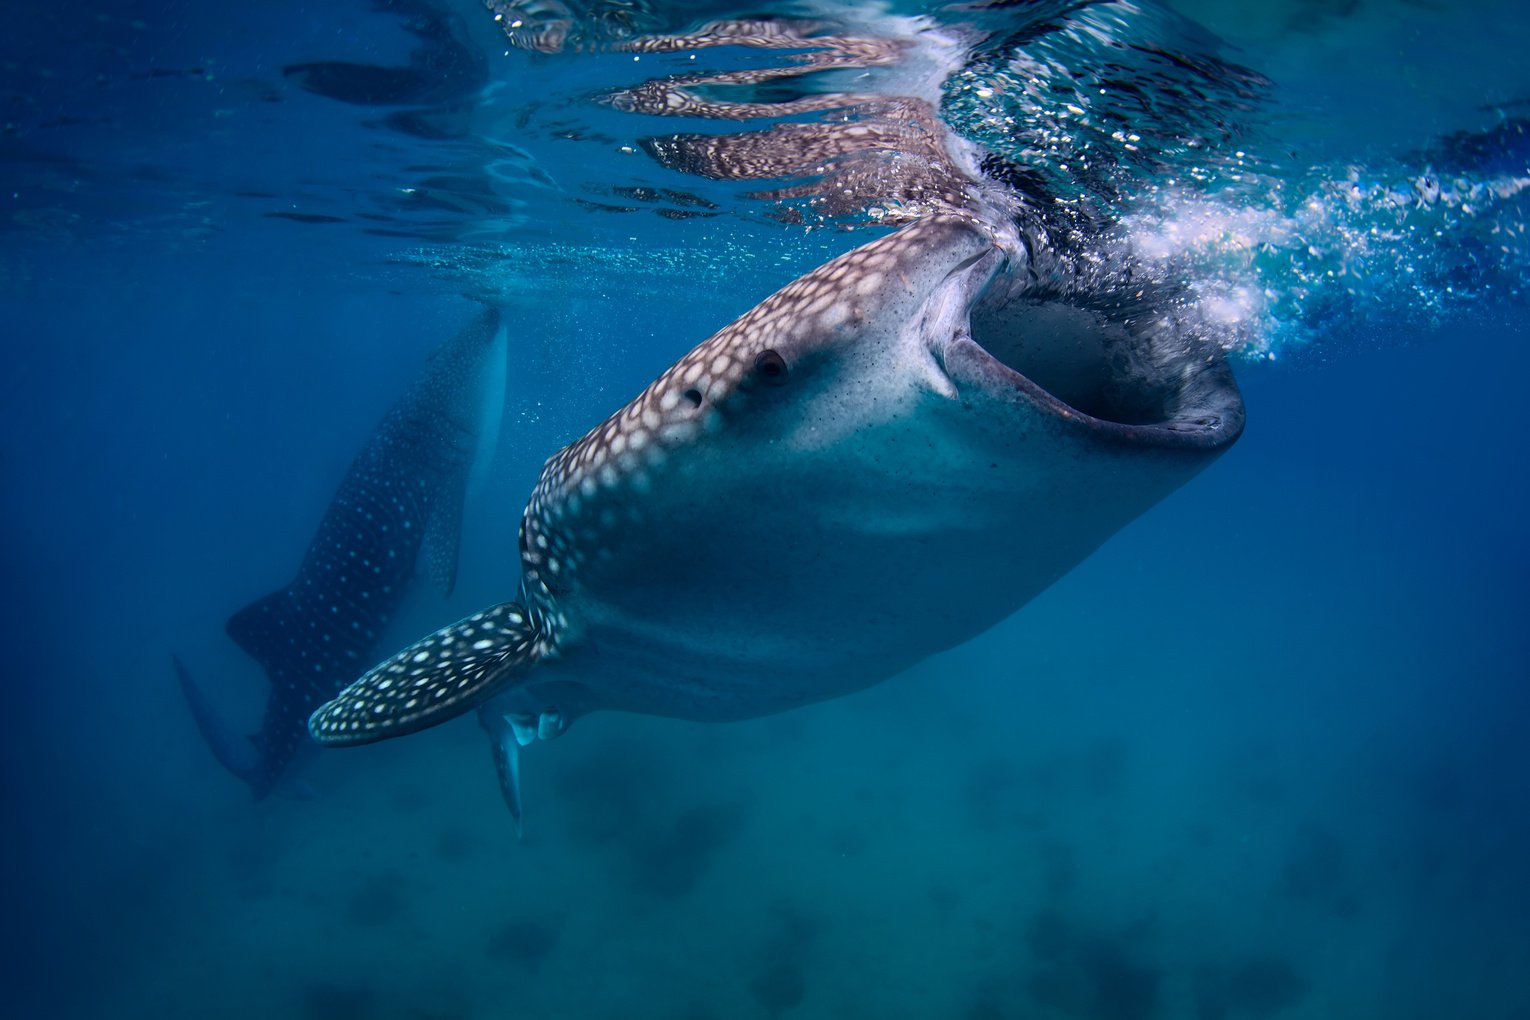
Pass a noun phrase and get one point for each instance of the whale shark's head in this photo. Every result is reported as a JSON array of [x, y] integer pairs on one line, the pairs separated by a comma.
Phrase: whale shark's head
[[910, 386], [939, 308]]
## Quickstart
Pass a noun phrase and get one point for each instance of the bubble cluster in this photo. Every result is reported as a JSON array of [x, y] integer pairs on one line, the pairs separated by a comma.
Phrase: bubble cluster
[[1138, 162], [1334, 253]]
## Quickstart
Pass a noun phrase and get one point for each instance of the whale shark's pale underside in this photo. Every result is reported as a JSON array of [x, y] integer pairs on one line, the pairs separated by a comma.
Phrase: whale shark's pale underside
[[403, 493], [881, 460]]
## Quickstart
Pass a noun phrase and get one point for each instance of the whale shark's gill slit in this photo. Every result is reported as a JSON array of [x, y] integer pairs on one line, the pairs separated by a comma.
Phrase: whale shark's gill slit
[[968, 263]]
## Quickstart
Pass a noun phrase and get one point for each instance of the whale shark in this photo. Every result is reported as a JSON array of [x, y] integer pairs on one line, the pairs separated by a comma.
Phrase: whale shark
[[878, 462], [400, 501]]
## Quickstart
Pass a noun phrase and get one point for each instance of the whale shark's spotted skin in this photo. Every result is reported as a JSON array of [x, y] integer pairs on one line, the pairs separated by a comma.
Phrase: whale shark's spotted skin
[[838, 484]]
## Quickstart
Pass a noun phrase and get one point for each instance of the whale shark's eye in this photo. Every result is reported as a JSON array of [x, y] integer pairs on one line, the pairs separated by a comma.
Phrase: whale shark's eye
[[771, 367]]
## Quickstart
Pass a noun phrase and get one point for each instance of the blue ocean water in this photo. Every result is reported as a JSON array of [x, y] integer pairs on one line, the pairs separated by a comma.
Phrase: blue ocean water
[[1262, 755]]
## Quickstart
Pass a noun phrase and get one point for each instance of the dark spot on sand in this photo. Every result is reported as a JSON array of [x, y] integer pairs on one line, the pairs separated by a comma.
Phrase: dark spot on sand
[[779, 988], [1088, 976], [524, 943], [1316, 871], [1264, 791], [409, 800], [377, 901], [609, 792], [1253, 990], [944, 899], [989, 794], [671, 865], [848, 841], [1105, 767], [987, 1001], [251, 866], [1059, 867], [455, 844], [1049, 936], [324, 1000]]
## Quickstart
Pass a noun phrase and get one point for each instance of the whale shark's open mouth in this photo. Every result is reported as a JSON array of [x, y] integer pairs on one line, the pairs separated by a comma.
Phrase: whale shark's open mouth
[[1135, 377]]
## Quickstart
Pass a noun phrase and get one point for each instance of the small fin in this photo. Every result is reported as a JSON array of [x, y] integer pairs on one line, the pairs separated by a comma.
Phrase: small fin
[[523, 728], [234, 751], [505, 743], [451, 671]]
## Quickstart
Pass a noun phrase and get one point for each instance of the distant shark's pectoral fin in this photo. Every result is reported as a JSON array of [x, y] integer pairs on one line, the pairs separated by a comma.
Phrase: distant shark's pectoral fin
[[234, 751], [451, 671]]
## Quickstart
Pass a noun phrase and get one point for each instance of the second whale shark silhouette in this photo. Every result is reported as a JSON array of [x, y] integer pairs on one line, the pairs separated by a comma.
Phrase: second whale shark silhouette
[[402, 494], [881, 460]]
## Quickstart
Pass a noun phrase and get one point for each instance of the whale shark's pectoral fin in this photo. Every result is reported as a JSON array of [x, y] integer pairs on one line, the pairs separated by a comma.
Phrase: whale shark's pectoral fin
[[453, 670]]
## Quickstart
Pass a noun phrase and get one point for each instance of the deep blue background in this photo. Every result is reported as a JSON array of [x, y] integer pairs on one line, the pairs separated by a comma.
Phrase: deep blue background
[[1264, 753]]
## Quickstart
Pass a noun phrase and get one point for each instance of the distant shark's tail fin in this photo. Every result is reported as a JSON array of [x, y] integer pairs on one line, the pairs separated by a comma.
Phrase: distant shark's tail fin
[[234, 751], [274, 634]]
